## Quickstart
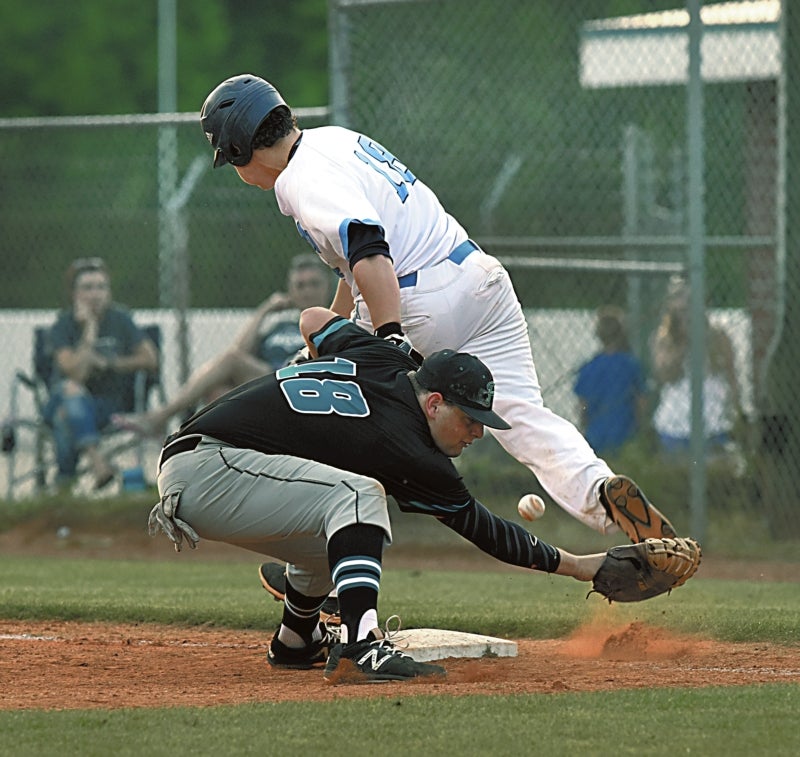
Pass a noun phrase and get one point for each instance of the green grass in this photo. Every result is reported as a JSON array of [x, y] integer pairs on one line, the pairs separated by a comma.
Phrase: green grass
[[188, 590], [755, 720]]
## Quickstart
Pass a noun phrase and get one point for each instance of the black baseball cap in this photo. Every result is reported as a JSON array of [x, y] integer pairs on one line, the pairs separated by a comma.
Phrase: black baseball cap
[[464, 381]]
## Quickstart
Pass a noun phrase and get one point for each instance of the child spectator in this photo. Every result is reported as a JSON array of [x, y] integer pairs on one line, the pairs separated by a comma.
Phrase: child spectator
[[611, 387]]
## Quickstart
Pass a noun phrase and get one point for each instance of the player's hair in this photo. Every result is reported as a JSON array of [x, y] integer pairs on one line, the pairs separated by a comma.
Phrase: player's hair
[[420, 390], [79, 266], [278, 124], [610, 327], [412, 377], [306, 260]]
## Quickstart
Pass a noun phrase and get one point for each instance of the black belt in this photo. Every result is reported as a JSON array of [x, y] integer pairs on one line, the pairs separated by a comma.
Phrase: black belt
[[182, 444]]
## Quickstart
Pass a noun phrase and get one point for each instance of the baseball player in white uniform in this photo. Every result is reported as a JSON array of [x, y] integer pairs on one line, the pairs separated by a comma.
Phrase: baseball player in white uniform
[[409, 272]]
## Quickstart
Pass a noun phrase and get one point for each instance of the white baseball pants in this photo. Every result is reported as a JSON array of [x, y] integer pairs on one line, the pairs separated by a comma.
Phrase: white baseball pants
[[472, 307]]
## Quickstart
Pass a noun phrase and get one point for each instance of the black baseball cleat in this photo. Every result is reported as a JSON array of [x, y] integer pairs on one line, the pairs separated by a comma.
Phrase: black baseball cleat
[[627, 506], [305, 658], [273, 579], [374, 660]]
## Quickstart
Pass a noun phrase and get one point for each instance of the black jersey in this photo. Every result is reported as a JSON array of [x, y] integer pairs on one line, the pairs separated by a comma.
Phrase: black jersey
[[353, 408]]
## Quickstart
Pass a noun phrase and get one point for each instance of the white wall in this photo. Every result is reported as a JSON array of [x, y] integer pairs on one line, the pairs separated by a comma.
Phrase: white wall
[[562, 340]]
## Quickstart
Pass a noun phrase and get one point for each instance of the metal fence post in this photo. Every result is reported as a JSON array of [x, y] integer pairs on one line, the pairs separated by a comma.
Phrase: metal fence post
[[696, 257]]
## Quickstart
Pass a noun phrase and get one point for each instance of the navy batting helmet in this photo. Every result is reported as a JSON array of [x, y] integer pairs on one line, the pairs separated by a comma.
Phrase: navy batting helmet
[[233, 112]]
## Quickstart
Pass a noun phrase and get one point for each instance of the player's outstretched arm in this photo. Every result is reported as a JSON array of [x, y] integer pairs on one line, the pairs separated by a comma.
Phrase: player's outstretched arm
[[507, 541], [511, 543], [580, 567], [630, 573]]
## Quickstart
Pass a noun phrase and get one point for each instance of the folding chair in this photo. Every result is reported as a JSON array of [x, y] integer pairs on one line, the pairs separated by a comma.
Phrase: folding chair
[[27, 440]]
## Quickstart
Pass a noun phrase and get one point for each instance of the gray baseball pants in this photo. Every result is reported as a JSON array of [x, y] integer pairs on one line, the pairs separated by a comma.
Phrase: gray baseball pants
[[277, 505]]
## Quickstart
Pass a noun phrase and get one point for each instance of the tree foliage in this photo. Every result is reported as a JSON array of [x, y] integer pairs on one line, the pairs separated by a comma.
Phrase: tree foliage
[[93, 57]]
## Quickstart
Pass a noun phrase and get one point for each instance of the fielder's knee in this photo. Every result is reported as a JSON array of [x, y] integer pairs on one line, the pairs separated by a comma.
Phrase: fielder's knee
[[359, 500]]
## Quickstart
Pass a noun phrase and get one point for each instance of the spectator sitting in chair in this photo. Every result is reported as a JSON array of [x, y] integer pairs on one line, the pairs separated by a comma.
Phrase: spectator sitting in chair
[[269, 339], [96, 346]]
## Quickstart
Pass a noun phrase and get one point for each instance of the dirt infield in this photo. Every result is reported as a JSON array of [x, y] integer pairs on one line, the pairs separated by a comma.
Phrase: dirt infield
[[68, 665], [61, 665]]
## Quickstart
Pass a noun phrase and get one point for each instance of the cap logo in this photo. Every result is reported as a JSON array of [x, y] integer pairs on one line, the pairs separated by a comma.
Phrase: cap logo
[[486, 395], [481, 396]]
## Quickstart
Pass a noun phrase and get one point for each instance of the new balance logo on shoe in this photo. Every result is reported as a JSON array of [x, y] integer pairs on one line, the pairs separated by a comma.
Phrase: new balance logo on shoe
[[371, 661], [375, 659]]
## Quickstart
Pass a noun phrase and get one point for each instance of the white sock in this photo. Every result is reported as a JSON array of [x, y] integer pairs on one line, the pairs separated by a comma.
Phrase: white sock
[[290, 638], [369, 620]]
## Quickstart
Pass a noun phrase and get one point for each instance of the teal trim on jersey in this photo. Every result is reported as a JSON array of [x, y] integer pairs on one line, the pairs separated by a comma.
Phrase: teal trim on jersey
[[332, 328], [343, 232]]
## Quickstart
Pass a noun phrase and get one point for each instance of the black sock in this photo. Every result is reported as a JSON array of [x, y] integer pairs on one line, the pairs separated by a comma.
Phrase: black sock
[[301, 613], [354, 556]]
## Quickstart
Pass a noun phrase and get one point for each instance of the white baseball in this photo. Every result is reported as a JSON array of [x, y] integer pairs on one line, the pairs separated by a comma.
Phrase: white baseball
[[531, 507]]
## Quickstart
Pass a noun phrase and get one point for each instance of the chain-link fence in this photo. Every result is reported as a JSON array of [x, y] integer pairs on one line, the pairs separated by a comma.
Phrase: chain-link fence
[[599, 157], [599, 154]]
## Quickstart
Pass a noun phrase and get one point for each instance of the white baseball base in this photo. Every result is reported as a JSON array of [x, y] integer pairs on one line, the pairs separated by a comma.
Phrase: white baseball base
[[427, 644]]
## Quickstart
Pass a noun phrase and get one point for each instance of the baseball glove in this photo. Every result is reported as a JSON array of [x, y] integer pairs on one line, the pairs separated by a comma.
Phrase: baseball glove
[[634, 572]]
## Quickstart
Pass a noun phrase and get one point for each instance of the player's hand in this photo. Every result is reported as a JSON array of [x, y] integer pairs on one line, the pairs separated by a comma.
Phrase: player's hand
[[403, 343], [303, 355], [275, 302], [392, 333]]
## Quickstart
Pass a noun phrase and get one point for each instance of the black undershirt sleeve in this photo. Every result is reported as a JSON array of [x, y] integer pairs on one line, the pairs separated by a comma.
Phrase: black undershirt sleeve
[[503, 539], [364, 240]]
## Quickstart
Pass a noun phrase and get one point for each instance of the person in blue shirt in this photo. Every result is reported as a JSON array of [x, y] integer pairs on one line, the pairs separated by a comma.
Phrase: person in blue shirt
[[611, 386]]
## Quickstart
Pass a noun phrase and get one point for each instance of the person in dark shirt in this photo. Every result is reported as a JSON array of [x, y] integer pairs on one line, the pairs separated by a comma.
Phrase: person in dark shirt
[[96, 346], [268, 340], [298, 465]]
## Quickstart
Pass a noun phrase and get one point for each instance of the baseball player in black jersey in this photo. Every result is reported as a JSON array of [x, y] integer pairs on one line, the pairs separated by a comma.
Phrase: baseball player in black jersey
[[297, 465]]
